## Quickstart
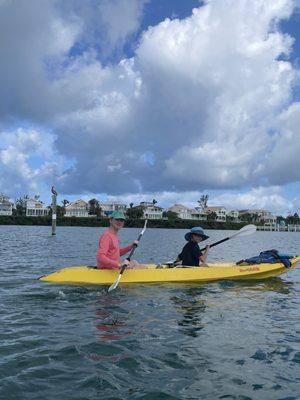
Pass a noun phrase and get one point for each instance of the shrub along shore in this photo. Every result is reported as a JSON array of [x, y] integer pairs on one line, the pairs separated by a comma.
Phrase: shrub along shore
[[130, 223]]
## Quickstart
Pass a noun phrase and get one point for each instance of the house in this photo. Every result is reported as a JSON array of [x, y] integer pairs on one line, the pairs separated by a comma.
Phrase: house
[[5, 205], [184, 212], [220, 211], [150, 210], [263, 216], [36, 208], [78, 208], [108, 208], [267, 217], [233, 214]]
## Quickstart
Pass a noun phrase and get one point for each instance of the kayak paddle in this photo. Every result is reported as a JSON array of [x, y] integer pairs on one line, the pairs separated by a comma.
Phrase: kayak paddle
[[114, 285], [244, 231]]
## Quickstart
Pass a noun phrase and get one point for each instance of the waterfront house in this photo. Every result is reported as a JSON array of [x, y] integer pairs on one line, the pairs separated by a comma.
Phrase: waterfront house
[[109, 207], [233, 215], [36, 208], [78, 208], [220, 211], [260, 216], [184, 212], [150, 210], [5, 205]]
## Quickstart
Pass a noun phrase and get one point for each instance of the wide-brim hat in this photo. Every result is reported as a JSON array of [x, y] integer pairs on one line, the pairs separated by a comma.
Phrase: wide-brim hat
[[117, 215], [197, 230]]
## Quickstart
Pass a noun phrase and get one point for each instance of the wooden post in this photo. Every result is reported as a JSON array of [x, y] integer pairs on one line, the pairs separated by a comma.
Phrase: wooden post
[[54, 214]]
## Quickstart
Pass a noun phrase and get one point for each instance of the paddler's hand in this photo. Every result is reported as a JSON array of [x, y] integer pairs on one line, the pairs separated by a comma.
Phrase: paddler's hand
[[207, 249], [124, 263]]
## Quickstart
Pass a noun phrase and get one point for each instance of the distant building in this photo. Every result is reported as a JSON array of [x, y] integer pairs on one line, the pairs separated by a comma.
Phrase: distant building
[[78, 208], [150, 210], [233, 214], [36, 208], [184, 212], [220, 211], [262, 216], [110, 207], [5, 205]]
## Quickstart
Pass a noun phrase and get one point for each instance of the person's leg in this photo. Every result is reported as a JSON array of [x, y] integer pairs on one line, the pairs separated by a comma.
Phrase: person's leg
[[135, 265]]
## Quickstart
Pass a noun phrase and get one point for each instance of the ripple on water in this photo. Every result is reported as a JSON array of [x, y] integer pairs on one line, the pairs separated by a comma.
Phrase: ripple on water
[[224, 340]]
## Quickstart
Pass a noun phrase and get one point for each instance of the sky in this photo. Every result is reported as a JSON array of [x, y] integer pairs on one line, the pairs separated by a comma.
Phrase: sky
[[130, 100]]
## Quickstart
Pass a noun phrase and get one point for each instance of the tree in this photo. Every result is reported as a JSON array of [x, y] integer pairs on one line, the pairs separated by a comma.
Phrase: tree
[[280, 220], [135, 213], [65, 202], [247, 217], [63, 208], [60, 211], [293, 219], [21, 205], [94, 208], [154, 201], [212, 216], [171, 215], [203, 201], [131, 205]]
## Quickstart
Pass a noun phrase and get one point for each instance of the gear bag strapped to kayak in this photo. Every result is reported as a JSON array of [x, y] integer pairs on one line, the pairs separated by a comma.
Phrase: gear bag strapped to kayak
[[267, 256]]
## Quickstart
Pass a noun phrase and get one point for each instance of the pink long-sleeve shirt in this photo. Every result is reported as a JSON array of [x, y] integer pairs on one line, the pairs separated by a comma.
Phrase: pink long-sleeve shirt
[[109, 252]]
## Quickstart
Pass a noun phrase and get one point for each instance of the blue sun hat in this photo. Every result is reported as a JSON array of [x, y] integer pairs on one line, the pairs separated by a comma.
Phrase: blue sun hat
[[197, 230]]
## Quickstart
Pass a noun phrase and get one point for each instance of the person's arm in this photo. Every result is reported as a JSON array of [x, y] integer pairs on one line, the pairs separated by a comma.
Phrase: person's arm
[[126, 249], [203, 257], [102, 258]]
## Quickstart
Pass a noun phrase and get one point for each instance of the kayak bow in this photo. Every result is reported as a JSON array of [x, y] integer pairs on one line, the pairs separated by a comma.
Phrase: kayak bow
[[161, 273]]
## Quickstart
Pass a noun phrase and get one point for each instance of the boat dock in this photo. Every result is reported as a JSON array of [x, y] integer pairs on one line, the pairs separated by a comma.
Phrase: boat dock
[[278, 228]]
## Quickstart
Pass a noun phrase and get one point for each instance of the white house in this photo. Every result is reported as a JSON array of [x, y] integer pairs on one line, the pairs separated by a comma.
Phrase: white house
[[150, 210], [184, 212], [234, 214], [221, 212], [108, 208], [5, 205], [263, 216], [78, 208], [36, 208]]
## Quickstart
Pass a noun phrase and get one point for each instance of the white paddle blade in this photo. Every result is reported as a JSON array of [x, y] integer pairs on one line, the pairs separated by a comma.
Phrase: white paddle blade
[[114, 285], [145, 225], [246, 230]]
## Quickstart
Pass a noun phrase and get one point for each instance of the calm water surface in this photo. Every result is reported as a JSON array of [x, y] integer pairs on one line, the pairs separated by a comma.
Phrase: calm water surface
[[214, 341]]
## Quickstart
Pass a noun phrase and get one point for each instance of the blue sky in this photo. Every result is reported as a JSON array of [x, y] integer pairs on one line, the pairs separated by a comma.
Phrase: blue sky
[[141, 99]]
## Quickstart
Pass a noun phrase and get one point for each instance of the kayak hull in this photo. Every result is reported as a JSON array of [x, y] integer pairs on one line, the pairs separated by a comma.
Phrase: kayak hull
[[152, 274]]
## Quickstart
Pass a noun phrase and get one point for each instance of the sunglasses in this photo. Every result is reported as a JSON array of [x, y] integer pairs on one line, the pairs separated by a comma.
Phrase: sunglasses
[[120, 219]]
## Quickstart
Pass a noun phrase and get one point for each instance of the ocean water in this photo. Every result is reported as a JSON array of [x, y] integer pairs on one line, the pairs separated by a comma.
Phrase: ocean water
[[225, 340]]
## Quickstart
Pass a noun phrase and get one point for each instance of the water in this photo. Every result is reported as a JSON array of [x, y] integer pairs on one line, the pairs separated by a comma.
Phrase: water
[[214, 341]]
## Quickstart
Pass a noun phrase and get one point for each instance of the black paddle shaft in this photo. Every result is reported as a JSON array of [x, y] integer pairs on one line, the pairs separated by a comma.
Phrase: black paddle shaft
[[214, 244], [130, 254]]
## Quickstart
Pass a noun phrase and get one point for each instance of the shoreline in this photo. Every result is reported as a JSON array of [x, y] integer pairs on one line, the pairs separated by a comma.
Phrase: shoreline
[[130, 223]]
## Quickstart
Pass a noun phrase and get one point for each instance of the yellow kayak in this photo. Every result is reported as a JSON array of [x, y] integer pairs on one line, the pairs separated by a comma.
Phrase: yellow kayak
[[161, 273]]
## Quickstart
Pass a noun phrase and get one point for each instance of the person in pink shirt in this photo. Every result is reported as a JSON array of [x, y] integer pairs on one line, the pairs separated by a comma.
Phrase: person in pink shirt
[[109, 252]]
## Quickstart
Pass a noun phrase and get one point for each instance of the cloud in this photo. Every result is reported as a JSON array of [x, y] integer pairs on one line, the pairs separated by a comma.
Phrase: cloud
[[272, 198], [25, 161], [205, 103]]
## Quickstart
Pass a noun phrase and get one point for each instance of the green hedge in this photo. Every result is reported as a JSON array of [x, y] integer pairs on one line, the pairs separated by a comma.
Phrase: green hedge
[[134, 223]]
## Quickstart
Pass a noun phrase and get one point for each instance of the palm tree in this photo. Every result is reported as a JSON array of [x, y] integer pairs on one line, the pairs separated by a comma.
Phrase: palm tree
[[154, 201], [131, 205], [65, 202]]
